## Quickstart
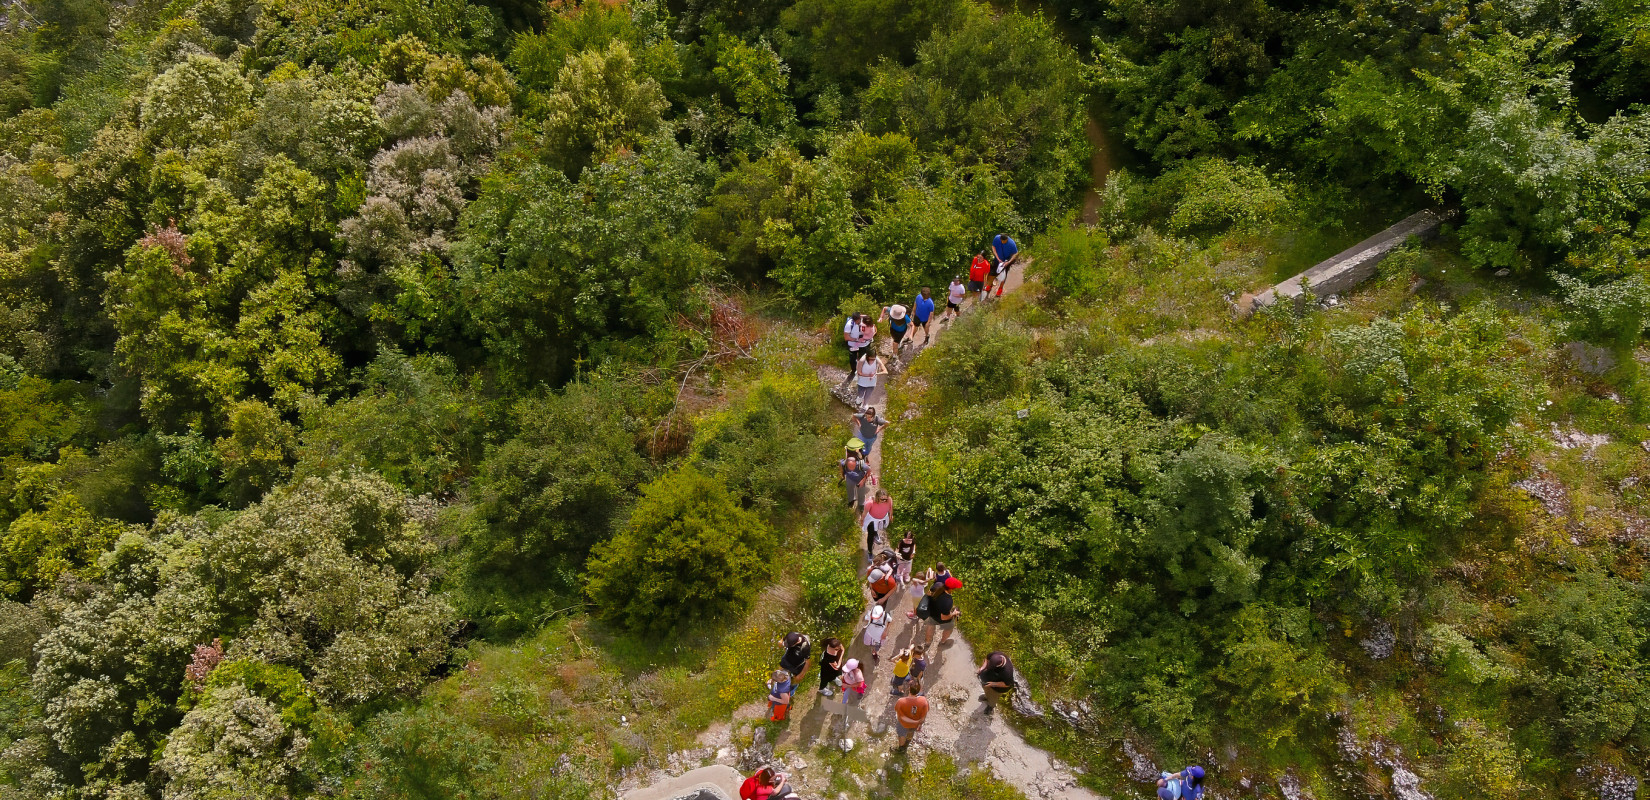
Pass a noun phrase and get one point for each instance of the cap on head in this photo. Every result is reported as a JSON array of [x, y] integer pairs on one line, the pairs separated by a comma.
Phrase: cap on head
[[850, 665], [793, 639], [878, 612], [877, 575], [998, 659], [952, 583], [1195, 773]]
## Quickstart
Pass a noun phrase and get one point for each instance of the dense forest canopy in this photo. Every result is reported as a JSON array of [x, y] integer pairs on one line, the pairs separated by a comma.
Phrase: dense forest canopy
[[340, 342]]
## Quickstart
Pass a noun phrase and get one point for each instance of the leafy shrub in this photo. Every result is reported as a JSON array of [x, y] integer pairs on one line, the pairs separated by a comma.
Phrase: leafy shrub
[[830, 587], [1586, 640], [554, 490], [1461, 658], [1069, 261], [689, 553], [1169, 704], [1613, 313], [1278, 679], [1483, 762], [1211, 195], [424, 753], [767, 446], [984, 359]]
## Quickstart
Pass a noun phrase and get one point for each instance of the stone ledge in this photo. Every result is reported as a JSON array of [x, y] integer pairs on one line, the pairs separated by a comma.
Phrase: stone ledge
[[1350, 267]]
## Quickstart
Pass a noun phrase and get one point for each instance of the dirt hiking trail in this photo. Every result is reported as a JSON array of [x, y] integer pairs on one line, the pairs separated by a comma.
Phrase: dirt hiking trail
[[956, 723]]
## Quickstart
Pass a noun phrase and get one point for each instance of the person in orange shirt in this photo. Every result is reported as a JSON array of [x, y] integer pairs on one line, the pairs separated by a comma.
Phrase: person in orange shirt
[[911, 710]]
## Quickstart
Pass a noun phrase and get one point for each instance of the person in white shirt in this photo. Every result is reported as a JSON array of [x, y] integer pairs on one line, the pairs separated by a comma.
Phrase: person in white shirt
[[850, 336], [953, 300]]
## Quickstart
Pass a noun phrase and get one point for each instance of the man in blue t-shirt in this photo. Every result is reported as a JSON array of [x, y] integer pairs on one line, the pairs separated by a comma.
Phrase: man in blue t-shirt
[[1007, 251], [921, 309], [1005, 248]]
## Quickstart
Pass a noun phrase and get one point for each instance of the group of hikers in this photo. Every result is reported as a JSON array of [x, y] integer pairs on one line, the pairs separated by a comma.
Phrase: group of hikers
[[928, 593], [987, 276]]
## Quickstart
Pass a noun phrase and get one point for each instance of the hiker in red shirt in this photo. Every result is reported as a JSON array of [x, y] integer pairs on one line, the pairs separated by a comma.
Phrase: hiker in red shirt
[[978, 269], [765, 784]]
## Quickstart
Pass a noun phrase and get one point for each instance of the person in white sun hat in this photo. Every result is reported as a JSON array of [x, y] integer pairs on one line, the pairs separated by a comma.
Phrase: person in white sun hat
[[899, 324]]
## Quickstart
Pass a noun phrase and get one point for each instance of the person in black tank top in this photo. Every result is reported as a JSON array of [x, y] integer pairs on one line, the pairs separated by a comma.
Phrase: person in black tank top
[[906, 548]]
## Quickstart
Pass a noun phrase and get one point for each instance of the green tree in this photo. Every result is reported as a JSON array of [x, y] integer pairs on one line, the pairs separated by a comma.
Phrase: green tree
[[331, 576], [59, 537], [235, 745], [688, 553], [555, 489], [1005, 90], [755, 77], [256, 453], [841, 40], [415, 421], [197, 103], [602, 102], [554, 266]]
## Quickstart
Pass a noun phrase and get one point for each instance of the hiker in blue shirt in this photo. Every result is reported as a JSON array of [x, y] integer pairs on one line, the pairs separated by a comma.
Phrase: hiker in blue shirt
[[1003, 245], [921, 309], [1007, 251], [1191, 783]]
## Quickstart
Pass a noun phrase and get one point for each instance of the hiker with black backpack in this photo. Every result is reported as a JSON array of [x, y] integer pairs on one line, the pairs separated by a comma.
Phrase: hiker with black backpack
[[798, 653], [996, 679]]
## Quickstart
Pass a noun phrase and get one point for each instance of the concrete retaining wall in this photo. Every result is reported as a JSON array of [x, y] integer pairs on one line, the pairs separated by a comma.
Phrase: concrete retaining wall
[[715, 781], [1350, 267]]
